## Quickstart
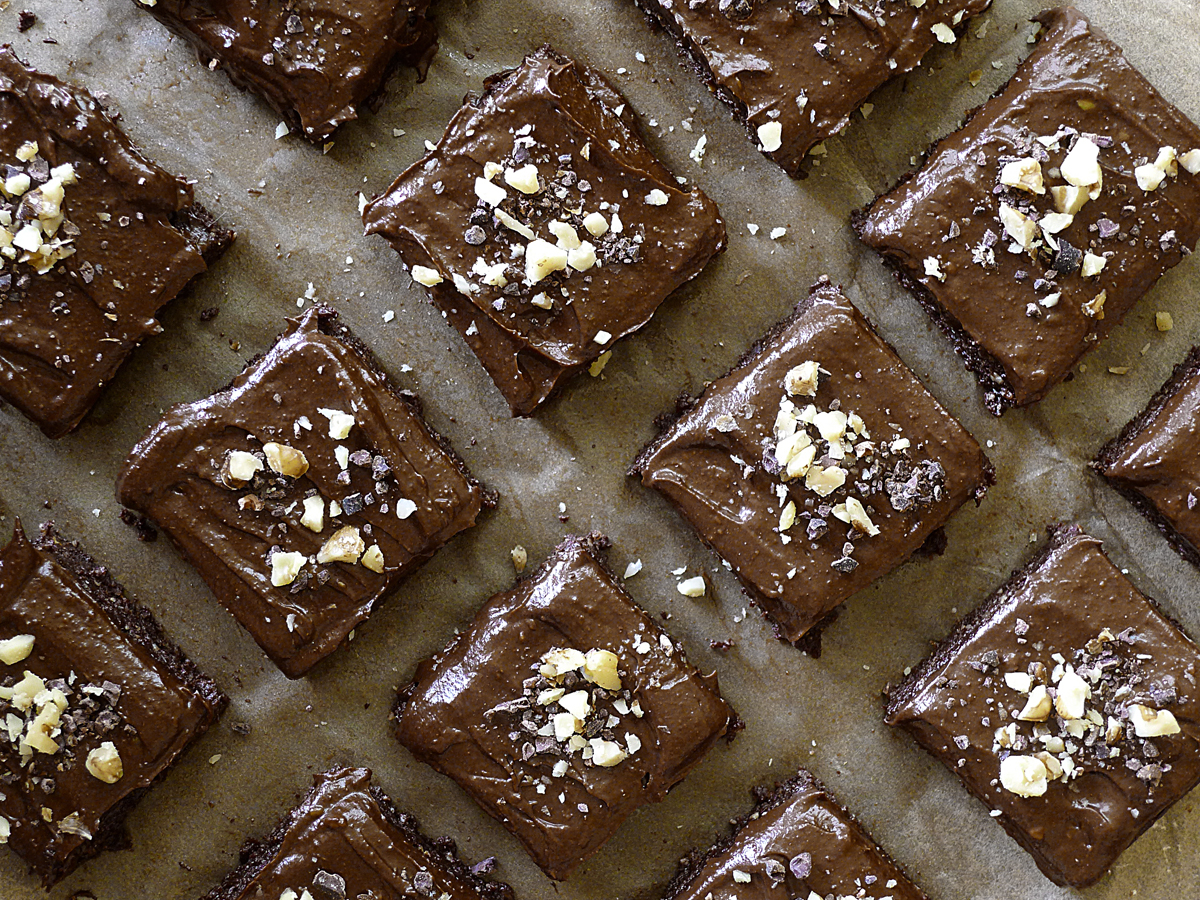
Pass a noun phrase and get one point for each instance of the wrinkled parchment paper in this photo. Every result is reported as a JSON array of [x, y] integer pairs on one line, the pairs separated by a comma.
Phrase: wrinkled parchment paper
[[295, 211]]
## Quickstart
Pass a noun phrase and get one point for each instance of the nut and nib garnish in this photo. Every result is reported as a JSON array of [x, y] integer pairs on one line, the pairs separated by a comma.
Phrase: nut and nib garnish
[[829, 466], [34, 230]]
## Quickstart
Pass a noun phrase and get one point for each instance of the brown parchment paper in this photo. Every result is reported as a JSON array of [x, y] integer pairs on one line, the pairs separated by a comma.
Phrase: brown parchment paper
[[295, 210]]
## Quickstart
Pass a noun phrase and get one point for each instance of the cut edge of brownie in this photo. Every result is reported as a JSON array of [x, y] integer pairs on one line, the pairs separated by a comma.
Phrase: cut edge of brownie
[[810, 641], [256, 853], [1108, 454], [138, 624], [765, 799], [203, 231]]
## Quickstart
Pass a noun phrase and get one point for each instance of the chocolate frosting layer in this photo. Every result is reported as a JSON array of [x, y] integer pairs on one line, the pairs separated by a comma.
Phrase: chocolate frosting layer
[[799, 841], [1156, 460], [315, 61], [1070, 607], [473, 711], [580, 135], [805, 65], [718, 465], [122, 682], [395, 484], [347, 840], [66, 330], [1023, 319]]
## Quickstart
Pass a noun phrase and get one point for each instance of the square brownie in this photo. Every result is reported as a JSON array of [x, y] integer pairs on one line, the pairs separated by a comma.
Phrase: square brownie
[[316, 62], [94, 240], [305, 491], [817, 465], [1029, 233], [543, 226], [793, 71], [562, 708], [1155, 461], [1068, 704], [98, 704], [346, 840], [798, 841]]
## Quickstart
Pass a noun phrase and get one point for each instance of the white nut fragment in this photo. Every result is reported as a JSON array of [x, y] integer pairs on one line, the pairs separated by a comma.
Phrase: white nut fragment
[[859, 518], [5, 830], [831, 424], [541, 301], [1018, 226], [1191, 161], [313, 517], [1148, 722], [933, 268], [513, 225], [565, 725], [285, 460], [340, 423], [1073, 693], [27, 151], [607, 753], [560, 661], [1081, 167], [489, 193], [802, 380], [1069, 199], [373, 559], [244, 466], [1025, 776], [405, 508], [576, 703], [346, 546], [1053, 223], [16, 649], [1023, 174], [1149, 177], [1092, 264], [770, 136], [104, 762], [656, 198], [692, 587], [285, 567], [601, 668], [1163, 321], [582, 257], [943, 33], [566, 236], [824, 481], [787, 518], [1019, 682], [524, 179], [543, 258], [1038, 707], [426, 276], [520, 558], [595, 223], [1094, 308]]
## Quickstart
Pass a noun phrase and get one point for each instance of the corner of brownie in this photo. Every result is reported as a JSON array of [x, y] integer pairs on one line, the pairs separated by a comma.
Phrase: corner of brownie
[[562, 708], [99, 704], [798, 841], [320, 849], [1068, 704], [1154, 462], [313, 63], [543, 227], [94, 240], [305, 491], [1030, 232], [837, 460]]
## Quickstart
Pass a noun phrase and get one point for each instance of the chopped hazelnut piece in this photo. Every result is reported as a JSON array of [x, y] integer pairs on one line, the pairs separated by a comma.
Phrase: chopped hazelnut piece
[[565, 725], [1163, 321], [692, 587], [1148, 722], [520, 557], [313, 517], [567, 237], [1093, 264], [944, 33], [285, 460], [340, 423], [562, 660], [426, 276], [582, 258], [1069, 199], [656, 198], [576, 703], [802, 380], [405, 508], [244, 466], [607, 753], [541, 259], [346, 546], [285, 567], [1149, 177], [16, 649], [1024, 174], [1094, 308], [1018, 226], [1038, 707], [489, 193], [1073, 692], [1191, 161], [104, 762], [824, 481], [770, 136], [788, 517], [373, 559], [1081, 167], [601, 668], [1053, 223], [524, 179], [859, 518], [596, 224], [1025, 776], [1019, 682]]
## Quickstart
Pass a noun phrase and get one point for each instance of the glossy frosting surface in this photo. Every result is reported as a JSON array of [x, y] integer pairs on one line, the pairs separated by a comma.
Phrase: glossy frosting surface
[[1074, 603], [1075, 80], [315, 61], [805, 65], [580, 134], [155, 715], [63, 334], [464, 713], [341, 830], [177, 475], [799, 842], [712, 464]]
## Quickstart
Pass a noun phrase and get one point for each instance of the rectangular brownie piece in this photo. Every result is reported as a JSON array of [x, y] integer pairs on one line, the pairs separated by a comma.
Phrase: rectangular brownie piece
[[799, 842], [562, 708], [1068, 704], [346, 840], [98, 704], [94, 240], [1029, 233], [1155, 461], [304, 492], [819, 464], [543, 226], [793, 71], [316, 62]]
